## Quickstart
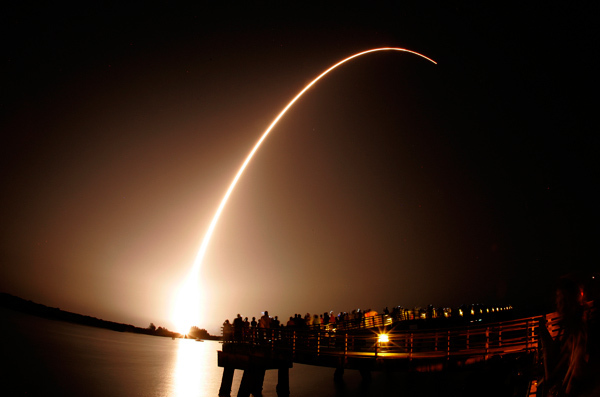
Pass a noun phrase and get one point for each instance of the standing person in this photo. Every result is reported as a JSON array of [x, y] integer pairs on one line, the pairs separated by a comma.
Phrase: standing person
[[238, 325], [275, 327], [316, 322], [263, 326], [253, 326], [246, 333], [308, 320], [300, 323], [227, 330]]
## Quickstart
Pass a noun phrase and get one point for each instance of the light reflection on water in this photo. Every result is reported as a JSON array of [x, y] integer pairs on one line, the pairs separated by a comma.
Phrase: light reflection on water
[[188, 364], [195, 360]]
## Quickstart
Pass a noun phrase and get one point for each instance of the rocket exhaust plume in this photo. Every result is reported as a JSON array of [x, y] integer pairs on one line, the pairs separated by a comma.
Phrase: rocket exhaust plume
[[187, 305]]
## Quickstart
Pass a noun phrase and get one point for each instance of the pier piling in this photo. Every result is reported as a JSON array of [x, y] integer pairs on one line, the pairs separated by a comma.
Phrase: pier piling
[[283, 382], [226, 381]]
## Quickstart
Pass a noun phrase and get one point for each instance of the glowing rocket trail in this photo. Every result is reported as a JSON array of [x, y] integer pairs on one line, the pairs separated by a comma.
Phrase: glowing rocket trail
[[186, 298], [213, 223]]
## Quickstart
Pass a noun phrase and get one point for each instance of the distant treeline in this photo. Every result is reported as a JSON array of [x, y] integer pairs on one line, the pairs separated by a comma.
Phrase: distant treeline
[[53, 313]]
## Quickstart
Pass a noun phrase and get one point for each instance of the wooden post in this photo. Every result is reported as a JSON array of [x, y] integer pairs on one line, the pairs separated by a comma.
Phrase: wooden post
[[468, 338], [283, 382], [252, 382], [246, 384], [448, 345], [258, 379], [351, 343], [226, 381], [338, 376], [294, 344], [500, 336], [345, 344], [318, 342], [487, 341], [527, 336]]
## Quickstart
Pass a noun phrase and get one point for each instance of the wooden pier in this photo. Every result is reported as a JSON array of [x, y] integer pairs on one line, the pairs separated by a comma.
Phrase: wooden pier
[[405, 346]]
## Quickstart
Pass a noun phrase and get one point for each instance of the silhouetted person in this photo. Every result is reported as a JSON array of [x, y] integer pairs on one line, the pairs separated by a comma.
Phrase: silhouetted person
[[246, 329], [316, 322], [275, 327], [565, 356], [227, 330], [299, 321], [238, 325], [263, 326], [253, 325]]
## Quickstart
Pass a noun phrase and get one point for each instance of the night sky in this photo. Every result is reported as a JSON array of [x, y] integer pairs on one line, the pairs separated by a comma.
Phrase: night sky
[[393, 181]]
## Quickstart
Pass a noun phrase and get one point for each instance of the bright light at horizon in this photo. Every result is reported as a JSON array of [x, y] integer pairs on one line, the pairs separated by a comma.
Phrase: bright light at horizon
[[186, 308], [187, 305]]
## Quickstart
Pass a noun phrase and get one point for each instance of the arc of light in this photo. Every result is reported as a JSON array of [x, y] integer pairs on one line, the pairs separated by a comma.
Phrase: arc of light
[[215, 219], [187, 299]]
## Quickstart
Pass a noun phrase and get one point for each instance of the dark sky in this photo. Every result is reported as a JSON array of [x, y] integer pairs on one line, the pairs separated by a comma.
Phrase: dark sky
[[392, 182]]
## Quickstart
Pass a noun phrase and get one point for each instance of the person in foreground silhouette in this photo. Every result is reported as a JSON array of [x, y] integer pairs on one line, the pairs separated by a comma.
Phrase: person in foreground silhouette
[[565, 357]]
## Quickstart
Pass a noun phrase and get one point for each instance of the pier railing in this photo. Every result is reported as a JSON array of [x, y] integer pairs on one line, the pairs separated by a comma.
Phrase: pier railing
[[475, 340]]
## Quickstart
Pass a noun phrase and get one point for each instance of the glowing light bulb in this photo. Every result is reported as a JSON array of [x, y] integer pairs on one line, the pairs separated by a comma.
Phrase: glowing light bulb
[[383, 338]]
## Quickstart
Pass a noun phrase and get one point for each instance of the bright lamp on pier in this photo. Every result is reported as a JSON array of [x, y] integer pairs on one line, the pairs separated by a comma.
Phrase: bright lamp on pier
[[383, 338]]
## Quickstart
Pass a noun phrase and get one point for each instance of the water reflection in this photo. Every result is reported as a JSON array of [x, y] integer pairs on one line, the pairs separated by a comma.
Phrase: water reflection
[[191, 362]]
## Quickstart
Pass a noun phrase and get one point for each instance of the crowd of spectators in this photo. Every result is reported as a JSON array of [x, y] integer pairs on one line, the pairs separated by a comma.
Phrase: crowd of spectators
[[270, 327], [267, 327]]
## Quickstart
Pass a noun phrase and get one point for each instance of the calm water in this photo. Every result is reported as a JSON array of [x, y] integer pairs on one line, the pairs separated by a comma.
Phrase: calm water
[[43, 358]]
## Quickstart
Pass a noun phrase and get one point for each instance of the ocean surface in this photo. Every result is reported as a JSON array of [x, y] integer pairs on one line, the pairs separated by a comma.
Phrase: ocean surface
[[42, 357]]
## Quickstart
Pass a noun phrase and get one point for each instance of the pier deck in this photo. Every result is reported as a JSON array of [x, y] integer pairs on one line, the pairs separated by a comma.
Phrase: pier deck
[[403, 348]]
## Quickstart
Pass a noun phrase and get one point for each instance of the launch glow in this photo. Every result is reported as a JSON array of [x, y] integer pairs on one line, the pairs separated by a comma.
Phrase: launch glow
[[186, 310]]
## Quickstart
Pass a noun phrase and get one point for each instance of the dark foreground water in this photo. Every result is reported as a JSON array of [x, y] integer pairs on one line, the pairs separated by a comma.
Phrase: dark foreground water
[[41, 357]]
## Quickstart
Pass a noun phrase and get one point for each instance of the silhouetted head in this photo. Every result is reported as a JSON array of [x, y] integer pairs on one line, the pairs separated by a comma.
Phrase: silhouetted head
[[569, 297]]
